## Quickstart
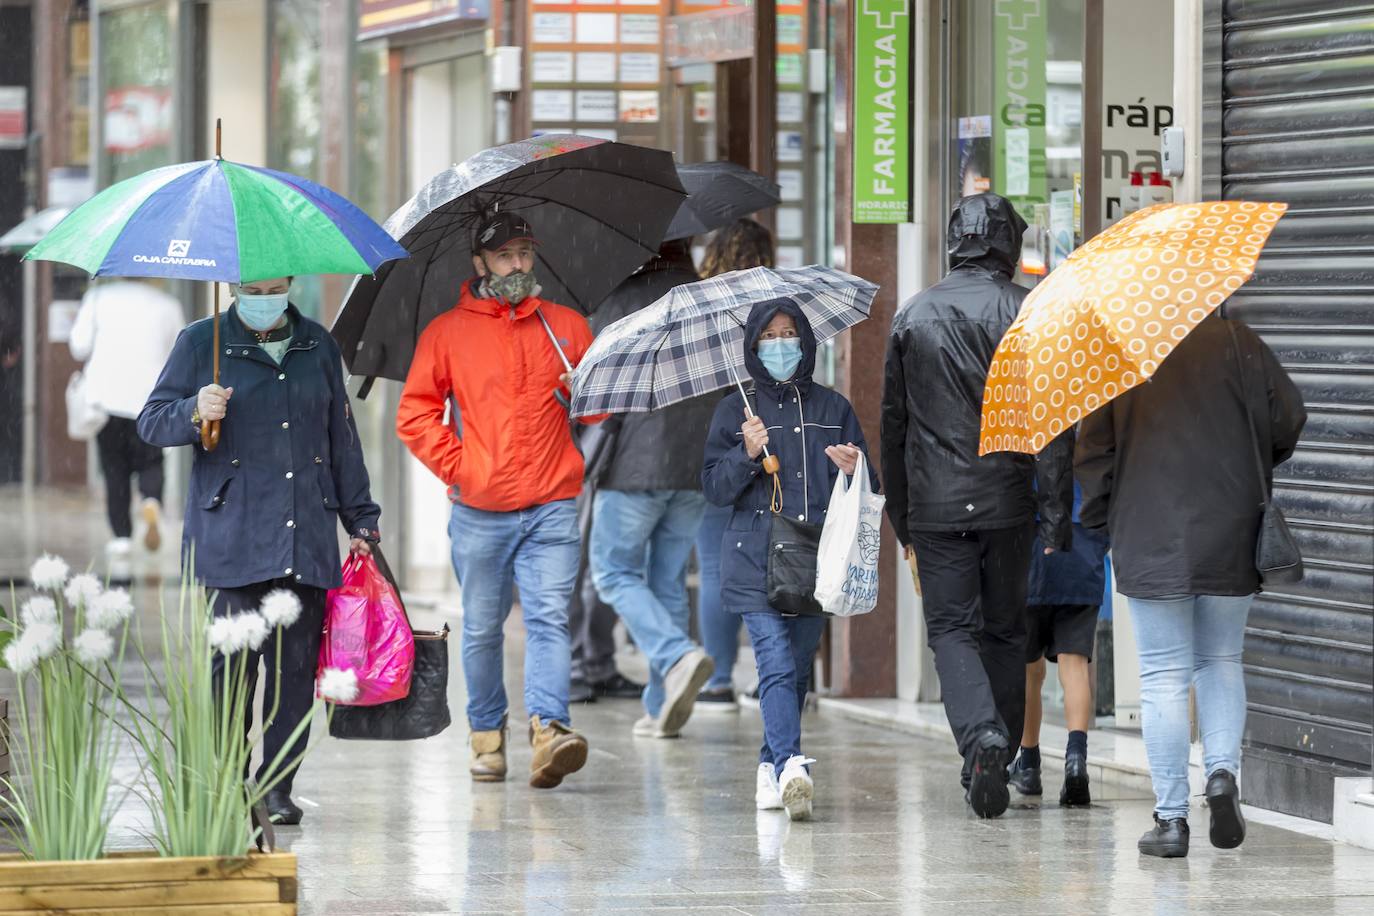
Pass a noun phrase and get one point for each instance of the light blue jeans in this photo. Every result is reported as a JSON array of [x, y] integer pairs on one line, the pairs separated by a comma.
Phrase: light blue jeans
[[719, 627], [785, 651], [1198, 640], [537, 549], [641, 542]]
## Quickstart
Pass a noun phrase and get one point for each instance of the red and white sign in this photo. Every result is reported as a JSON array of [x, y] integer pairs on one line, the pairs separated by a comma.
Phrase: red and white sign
[[137, 118], [14, 117]]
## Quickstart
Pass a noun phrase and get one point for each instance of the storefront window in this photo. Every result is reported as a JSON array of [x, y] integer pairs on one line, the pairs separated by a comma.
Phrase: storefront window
[[294, 114], [1016, 98], [137, 69], [370, 130]]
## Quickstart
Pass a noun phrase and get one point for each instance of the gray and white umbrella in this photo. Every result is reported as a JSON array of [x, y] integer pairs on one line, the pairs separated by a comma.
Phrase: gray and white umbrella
[[691, 342]]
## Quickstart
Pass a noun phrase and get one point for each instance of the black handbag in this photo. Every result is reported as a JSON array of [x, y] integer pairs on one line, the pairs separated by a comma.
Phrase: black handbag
[[792, 549], [421, 714], [1278, 558]]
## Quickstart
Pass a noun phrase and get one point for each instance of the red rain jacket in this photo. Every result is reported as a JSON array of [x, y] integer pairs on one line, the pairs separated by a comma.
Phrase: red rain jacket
[[508, 446]]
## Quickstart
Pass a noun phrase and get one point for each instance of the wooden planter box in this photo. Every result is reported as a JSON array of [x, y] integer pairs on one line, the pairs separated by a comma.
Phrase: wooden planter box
[[138, 884]]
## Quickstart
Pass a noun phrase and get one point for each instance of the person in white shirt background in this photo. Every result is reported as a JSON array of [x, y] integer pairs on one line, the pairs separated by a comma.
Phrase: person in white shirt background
[[124, 332]]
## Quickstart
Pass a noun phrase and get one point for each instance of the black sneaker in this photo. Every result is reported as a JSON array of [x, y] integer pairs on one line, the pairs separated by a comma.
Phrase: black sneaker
[[581, 692], [987, 791], [1167, 840], [1075, 792], [1026, 779], [618, 687], [717, 699], [1223, 801]]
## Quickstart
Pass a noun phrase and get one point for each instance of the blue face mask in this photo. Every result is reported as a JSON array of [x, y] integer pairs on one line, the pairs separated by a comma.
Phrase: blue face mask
[[261, 313], [781, 356]]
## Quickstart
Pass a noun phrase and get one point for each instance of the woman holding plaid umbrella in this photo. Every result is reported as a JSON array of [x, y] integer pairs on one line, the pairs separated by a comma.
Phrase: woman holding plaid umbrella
[[814, 434]]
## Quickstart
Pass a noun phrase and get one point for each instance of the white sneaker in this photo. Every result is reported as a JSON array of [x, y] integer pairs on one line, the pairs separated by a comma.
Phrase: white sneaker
[[797, 788], [648, 727], [119, 547], [767, 795]]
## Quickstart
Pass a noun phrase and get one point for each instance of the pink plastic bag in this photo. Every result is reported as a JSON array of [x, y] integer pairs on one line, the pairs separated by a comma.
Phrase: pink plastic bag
[[366, 630]]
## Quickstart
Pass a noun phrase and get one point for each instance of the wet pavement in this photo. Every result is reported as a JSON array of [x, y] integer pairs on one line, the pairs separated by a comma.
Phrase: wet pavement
[[670, 825]]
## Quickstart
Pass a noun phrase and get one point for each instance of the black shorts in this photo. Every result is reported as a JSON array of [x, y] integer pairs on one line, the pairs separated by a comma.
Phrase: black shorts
[[1055, 628]]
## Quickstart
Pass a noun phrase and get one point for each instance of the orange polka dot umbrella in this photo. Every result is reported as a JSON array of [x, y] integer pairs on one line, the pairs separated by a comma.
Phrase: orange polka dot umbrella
[[1103, 321]]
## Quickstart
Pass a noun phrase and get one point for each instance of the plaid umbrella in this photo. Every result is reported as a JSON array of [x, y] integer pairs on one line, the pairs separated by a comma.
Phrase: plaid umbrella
[[691, 342]]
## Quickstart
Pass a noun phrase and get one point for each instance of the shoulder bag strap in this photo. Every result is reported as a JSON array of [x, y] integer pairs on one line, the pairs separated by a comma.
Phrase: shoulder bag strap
[[1249, 413]]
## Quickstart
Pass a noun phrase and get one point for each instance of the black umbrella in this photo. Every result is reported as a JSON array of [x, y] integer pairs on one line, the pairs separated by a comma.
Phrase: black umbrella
[[718, 193], [599, 211]]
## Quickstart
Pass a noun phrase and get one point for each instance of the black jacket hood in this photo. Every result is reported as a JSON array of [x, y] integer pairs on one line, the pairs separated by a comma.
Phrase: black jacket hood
[[986, 231], [753, 329]]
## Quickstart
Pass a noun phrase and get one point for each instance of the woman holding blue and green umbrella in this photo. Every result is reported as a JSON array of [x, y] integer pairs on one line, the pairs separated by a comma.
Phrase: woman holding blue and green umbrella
[[257, 391]]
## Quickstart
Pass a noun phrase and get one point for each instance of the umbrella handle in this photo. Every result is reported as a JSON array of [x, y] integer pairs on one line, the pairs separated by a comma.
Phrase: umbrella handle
[[209, 435], [209, 429]]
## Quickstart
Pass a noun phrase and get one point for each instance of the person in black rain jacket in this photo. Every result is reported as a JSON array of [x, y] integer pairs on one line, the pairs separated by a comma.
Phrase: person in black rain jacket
[[969, 519]]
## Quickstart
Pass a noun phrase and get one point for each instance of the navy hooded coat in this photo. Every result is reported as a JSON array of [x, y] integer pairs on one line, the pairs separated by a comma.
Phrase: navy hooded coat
[[803, 418]]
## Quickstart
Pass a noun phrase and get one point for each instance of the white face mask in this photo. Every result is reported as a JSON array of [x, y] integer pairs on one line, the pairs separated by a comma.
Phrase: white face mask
[[261, 312]]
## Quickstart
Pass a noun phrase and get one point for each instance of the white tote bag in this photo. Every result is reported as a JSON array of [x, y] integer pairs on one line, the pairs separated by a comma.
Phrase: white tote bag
[[847, 560], [84, 419]]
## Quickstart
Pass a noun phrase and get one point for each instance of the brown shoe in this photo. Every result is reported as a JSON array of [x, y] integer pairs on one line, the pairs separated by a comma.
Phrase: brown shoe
[[489, 754], [152, 514], [558, 751]]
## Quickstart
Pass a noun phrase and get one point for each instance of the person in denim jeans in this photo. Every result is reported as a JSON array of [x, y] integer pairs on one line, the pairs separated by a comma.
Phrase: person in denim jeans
[[481, 409], [815, 435], [647, 513], [1170, 469]]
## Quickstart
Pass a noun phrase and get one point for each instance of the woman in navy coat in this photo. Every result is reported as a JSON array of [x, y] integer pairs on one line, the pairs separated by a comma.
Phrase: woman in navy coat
[[813, 432], [263, 509]]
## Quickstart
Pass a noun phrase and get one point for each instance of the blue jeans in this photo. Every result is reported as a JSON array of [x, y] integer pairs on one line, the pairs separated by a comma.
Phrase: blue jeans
[[1194, 639], [536, 549], [784, 649], [641, 541], [719, 627]]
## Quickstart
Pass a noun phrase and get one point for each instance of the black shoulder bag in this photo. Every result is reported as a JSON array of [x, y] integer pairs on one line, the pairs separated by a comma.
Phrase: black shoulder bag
[[792, 549], [1277, 557], [422, 714]]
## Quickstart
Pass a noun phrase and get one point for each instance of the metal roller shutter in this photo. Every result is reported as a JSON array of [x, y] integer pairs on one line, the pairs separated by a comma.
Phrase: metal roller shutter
[[1292, 106]]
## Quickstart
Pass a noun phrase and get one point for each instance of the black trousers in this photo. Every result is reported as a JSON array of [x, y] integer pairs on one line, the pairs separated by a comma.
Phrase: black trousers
[[123, 454], [295, 687], [591, 621], [973, 586]]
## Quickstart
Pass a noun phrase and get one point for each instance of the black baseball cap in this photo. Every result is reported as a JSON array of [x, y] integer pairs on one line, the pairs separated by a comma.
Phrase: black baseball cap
[[499, 230]]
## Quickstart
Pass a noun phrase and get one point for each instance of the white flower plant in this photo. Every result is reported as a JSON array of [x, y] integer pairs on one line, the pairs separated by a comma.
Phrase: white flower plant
[[64, 737], [190, 738]]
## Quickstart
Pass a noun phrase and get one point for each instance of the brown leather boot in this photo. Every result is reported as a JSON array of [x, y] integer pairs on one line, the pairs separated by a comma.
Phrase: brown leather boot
[[489, 754], [558, 751]]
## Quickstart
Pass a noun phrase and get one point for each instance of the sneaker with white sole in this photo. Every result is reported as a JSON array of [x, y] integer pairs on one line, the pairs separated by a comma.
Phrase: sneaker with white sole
[[767, 794], [797, 788], [648, 727]]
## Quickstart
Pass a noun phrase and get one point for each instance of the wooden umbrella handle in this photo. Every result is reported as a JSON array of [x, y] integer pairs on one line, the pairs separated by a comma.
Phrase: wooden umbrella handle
[[209, 429], [771, 464]]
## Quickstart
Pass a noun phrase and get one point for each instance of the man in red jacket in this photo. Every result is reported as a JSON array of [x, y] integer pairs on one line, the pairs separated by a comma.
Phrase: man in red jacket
[[513, 474]]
